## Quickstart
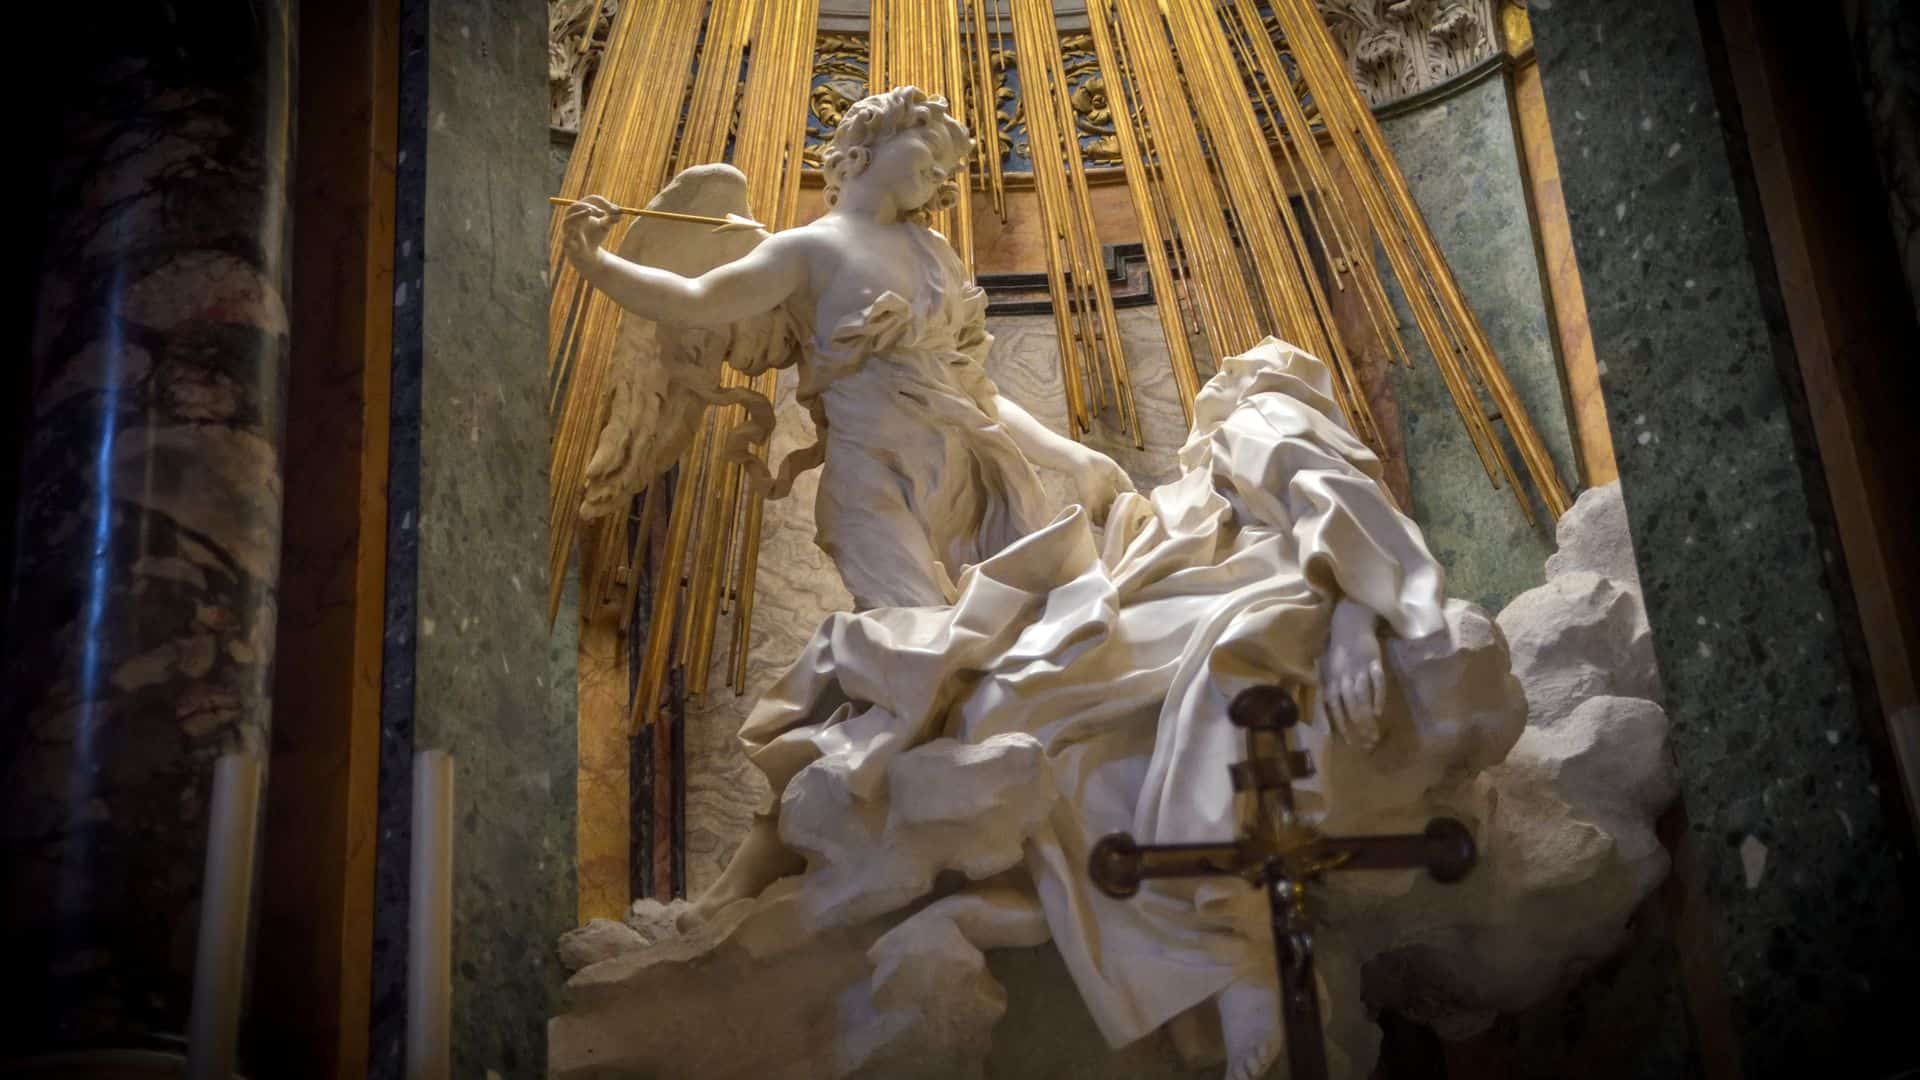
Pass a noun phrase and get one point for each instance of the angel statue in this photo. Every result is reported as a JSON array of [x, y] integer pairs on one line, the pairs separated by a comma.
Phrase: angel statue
[[927, 467]]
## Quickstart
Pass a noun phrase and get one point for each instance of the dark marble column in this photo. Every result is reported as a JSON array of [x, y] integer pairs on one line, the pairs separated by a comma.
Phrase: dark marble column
[[1745, 589], [1886, 40], [140, 637]]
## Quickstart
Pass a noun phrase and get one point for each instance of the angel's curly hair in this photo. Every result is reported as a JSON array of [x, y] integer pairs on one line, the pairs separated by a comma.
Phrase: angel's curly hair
[[874, 119]]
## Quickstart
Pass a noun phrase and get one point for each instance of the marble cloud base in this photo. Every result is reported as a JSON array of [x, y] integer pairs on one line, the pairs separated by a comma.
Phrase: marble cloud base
[[874, 962]]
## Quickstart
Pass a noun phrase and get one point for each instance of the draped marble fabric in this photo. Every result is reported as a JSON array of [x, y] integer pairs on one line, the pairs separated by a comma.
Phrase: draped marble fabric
[[1115, 656], [920, 476]]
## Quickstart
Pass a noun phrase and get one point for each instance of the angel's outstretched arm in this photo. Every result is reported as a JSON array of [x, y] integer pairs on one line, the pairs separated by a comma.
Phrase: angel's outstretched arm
[[1037, 441], [1097, 477], [751, 285]]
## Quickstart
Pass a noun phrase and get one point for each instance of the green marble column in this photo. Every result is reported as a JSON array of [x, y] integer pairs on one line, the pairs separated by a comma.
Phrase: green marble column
[[1462, 163], [470, 666]]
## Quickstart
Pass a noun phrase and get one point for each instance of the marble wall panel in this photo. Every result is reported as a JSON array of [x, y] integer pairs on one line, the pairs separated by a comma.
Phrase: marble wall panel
[[488, 683], [387, 1025], [1809, 919]]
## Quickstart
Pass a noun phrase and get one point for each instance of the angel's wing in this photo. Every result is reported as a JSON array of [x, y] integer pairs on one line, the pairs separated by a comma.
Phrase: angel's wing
[[664, 377]]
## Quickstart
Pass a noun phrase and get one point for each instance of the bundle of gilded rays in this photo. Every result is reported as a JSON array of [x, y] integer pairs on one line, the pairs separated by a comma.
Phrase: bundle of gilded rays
[[642, 126], [1259, 179]]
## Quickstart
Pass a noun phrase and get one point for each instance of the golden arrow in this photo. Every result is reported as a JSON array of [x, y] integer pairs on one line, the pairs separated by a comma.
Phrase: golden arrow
[[730, 223]]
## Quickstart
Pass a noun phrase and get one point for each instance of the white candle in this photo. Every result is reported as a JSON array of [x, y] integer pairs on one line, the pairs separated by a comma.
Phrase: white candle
[[430, 921], [226, 895]]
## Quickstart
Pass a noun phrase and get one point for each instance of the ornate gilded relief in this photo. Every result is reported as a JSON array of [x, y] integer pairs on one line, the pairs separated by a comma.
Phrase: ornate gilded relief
[[839, 80], [576, 36], [1006, 104], [1092, 118], [1396, 48]]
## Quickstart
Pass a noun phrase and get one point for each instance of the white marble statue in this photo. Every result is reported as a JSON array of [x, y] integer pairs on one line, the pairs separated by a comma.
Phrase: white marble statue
[[1019, 681], [928, 467]]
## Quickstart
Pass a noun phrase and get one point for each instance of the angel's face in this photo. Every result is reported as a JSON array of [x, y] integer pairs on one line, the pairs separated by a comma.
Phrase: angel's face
[[909, 167]]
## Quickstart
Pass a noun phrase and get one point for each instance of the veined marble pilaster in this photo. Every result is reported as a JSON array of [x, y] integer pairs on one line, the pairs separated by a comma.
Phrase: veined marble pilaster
[[141, 636]]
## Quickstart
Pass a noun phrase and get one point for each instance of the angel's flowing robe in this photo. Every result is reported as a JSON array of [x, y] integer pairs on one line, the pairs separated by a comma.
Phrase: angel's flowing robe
[[920, 478], [1112, 660]]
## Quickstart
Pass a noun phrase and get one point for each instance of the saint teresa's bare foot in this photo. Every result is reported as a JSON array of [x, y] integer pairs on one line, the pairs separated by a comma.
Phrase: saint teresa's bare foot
[[760, 861]]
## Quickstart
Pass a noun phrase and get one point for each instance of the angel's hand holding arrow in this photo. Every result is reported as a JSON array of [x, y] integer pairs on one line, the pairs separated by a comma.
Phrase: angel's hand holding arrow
[[586, 225]]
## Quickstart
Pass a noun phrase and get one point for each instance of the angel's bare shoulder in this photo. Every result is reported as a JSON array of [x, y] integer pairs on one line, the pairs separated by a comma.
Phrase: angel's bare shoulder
[[818, 248], [814, 236]]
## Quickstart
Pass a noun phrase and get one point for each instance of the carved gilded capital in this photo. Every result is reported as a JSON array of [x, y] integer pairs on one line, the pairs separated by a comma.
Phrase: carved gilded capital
[[1398, 48], [576, 36]]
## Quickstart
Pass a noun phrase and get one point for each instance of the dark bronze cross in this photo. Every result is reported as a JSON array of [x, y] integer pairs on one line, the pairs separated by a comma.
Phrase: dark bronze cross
[[1282, 854]]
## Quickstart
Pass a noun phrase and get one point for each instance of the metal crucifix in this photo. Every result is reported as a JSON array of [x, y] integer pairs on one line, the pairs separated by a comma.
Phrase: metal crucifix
[[1281, 854]]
